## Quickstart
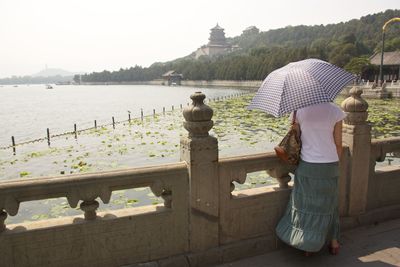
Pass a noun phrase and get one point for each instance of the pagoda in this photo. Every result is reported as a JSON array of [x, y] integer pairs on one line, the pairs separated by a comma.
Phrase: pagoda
[[217, 44], [217, 37]]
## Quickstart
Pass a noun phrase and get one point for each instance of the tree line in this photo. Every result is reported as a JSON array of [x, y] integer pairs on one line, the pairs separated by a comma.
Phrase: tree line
[[36, 79], [348, 45]]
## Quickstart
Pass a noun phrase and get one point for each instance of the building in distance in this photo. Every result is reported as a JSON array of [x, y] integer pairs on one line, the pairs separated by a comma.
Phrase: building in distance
[[217, 44], [391, 66], [172, 77]]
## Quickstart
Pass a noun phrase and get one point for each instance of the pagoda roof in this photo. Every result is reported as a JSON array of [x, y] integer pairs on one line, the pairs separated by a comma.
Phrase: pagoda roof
[[250, 28], [389, 58], [168, 73], [172, 73], [217, 27]]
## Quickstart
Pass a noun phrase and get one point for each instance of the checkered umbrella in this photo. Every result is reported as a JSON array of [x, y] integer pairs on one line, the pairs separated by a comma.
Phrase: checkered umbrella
[[300, 84]]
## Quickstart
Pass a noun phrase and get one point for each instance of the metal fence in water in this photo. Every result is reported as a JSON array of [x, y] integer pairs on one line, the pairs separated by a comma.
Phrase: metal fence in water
[[113, 123]]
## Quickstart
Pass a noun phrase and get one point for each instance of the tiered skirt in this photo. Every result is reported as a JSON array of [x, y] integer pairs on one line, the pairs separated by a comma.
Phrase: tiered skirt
[[311, 218]]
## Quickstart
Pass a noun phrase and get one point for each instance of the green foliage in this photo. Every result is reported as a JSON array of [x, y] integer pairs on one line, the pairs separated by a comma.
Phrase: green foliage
[[23, 173], [263, 52], [358, 65], [392, 45], [35, 80]]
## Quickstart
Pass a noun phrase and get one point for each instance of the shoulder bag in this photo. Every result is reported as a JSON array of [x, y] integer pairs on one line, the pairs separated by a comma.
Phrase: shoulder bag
[[289, 148]]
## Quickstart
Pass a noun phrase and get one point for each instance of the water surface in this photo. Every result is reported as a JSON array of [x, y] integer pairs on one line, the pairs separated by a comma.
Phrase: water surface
[[27, 110]]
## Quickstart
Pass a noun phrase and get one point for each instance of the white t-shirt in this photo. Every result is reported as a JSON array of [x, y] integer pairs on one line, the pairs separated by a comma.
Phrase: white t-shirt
[[317, 123]]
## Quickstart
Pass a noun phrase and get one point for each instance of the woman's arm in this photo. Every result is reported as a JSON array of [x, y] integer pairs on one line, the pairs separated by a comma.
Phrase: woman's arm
[[337, 137]]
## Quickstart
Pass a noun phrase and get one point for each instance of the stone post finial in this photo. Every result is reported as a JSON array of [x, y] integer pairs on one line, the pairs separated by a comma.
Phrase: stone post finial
[[355, 107], [198, 116]]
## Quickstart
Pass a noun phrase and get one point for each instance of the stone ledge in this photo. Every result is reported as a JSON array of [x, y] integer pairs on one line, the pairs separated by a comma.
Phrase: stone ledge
[[371, 217], [70, 221], [222, 254], [260, 245]]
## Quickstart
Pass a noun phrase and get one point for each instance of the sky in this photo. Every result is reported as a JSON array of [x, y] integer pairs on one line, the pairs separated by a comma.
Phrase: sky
[[94, 35]]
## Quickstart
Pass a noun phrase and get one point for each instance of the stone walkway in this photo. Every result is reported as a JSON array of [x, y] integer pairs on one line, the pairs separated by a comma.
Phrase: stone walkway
[[374, 245]]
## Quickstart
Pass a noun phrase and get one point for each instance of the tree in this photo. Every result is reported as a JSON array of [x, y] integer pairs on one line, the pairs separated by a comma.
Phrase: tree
[[342, 54], [358, 65], [77, 78], [392, 45]]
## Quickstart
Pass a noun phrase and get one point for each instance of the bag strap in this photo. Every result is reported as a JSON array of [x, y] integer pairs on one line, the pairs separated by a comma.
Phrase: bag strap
[[294, 117]]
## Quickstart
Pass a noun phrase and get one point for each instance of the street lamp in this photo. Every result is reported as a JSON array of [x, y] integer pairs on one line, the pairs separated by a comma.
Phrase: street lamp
[[383, 46]]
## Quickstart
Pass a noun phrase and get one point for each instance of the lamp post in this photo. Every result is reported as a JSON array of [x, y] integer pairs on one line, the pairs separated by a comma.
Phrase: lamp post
[[383, 46], [382, 51]]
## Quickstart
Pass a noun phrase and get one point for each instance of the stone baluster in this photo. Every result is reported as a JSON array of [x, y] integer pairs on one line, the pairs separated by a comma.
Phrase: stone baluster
[[384, 85], [200, 151], [232, 187], [167, 196], [160, 190], [3, 217], [357, 136], [281, 174], [89, 207]]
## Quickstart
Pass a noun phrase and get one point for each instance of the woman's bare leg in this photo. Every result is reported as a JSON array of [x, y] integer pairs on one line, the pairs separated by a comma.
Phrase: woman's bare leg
[[334, 243]]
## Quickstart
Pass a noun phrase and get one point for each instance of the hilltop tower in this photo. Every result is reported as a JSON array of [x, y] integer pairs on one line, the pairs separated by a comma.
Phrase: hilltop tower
[[217, 44], [217, 37]]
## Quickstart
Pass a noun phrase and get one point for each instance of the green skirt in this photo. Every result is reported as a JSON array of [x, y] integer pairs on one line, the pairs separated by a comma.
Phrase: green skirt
[[311, 218]]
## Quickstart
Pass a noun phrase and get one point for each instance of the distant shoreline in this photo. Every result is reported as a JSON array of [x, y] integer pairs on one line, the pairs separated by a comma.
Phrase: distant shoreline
[[252, 85], [200, 83]]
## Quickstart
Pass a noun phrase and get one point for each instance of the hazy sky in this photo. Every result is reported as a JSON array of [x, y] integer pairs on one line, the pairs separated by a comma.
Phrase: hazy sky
[[93, 35]]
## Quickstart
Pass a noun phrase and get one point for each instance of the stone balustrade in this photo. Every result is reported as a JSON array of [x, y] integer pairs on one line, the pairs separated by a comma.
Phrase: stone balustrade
[[381, 147], [384, 182], [98, 238], [251, 213], [89, 187], [204, 220], [240, 166]]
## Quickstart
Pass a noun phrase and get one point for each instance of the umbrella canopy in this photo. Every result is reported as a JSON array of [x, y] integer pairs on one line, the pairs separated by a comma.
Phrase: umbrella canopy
[[298, 85]]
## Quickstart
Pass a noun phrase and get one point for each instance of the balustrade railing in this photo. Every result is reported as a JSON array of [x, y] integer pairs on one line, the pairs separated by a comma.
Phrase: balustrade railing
[[235, 169], [163, 180], [384, 179], [251, 212], [381, 147]]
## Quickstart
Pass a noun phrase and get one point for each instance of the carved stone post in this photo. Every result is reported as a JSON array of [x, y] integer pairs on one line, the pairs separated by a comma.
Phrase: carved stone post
[[357, 135], [200, 151]]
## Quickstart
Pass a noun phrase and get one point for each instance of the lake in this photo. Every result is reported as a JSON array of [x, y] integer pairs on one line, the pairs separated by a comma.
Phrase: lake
[[27, 110]]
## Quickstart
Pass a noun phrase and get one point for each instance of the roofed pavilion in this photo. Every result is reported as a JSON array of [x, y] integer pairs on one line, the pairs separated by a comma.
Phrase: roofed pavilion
[[391, 65]]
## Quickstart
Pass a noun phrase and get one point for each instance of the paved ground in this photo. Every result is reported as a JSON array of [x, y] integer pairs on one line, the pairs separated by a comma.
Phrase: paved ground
[[375, 245]]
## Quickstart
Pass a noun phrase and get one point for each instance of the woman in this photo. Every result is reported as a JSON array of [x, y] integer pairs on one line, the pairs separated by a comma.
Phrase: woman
[[311, 218]]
